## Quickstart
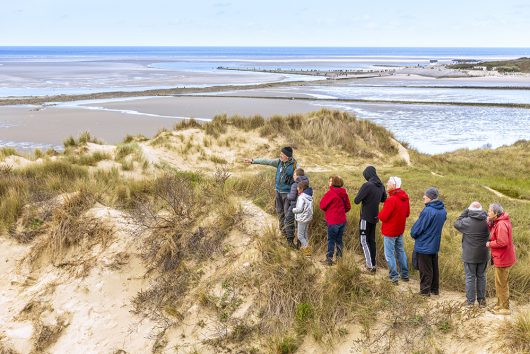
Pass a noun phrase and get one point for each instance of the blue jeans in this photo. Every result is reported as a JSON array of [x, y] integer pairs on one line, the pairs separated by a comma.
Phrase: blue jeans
[[335, 239], [475, 281], [395, 244]]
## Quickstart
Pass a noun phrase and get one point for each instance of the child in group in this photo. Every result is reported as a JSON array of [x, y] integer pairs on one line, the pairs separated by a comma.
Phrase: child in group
[[335, 203], [303, 214]]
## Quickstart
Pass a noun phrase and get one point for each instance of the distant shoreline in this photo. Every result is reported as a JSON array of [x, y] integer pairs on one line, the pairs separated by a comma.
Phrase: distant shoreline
[[358, 100], [178, 91]]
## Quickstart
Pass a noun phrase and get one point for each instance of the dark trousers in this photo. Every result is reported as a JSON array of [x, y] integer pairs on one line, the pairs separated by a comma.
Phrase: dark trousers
[[285, 215], [335, 233], [367, 238], [429, 273]]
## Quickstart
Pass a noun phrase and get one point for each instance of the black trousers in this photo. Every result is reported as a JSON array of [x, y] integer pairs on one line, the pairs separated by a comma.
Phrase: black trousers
[[429, 273], [285, 215], [367, 238]]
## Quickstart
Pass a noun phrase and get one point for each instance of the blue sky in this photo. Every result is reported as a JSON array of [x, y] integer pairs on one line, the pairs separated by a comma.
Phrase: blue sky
[[447, 23]]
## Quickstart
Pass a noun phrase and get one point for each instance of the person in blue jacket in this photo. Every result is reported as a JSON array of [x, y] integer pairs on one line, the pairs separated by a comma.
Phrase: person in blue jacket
[[427, 233], [285, 166]]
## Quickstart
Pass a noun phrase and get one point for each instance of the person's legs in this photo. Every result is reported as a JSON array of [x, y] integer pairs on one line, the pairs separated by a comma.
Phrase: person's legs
[[471, 270], [481, 283], [502, 287], [364, 243], [389, 246], [425, 264], [338, 240], [278, 202], [289, 219], [435, 285], [370, 239], [401, 256], [332, 229], [302, 233]]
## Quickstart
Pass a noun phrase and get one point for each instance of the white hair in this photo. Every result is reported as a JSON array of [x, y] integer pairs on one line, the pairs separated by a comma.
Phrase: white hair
[[396, 181], [475, 206]]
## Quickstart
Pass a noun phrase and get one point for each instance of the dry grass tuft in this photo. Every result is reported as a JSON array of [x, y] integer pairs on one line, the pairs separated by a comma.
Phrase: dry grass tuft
[[514, 335]]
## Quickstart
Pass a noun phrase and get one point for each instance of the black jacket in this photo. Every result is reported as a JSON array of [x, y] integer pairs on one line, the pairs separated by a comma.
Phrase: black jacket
[[473, 224], [371, 194]]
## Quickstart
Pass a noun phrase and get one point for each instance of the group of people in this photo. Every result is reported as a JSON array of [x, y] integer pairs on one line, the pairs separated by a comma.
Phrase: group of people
[[483, 232]]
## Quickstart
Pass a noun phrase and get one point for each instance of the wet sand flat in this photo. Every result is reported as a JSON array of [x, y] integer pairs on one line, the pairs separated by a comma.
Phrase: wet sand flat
[[112, 121]]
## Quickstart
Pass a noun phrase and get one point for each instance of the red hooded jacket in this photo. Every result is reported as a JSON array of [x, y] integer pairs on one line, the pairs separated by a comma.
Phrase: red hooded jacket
[[394, 214], [501, 242], [335, 204]]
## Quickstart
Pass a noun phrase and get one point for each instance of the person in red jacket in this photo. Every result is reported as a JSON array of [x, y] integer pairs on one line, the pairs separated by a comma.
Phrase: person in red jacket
[[502, 254], [335, 203], [394, 215]]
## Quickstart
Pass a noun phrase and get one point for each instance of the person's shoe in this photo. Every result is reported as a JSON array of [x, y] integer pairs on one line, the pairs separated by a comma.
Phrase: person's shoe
[[372, 270], [424, 294], [406, 280], [504, 312], [494, 308], [291, 243], [469, 304], [306, 251], [482, 303], [394, 281], [436, 292], [327, 262]]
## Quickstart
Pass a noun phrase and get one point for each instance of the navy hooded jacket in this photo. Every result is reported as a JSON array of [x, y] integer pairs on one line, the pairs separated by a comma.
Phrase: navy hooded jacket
[[427, 230]]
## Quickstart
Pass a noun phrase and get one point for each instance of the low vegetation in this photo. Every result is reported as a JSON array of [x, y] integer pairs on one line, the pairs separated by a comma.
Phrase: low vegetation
[[184, 221], [516, 65]]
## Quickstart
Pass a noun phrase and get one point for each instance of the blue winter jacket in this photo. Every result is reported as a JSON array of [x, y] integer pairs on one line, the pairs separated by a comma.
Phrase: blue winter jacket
[[427, 230], [284, 172]]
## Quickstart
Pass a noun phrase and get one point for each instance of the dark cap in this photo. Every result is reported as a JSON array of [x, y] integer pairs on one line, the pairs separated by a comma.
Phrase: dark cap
[[288, 151], [432, 193]]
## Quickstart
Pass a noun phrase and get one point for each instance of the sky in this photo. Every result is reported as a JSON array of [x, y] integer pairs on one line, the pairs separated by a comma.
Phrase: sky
[[348, 23]]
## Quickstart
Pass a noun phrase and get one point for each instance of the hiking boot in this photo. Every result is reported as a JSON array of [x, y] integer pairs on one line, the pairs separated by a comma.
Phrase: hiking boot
[[435, 292], [424, 294], [482, 303], [372, 270], [469, 304], [406, 280], [327, 262], [394, 281], [502, 312]]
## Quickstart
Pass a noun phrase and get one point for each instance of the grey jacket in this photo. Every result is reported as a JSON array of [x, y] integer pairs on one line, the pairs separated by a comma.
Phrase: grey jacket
[[473, 225], [303, 212]]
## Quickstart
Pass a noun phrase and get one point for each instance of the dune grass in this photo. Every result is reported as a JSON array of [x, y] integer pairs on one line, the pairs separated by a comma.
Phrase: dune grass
[[296, 297], [515, 334]]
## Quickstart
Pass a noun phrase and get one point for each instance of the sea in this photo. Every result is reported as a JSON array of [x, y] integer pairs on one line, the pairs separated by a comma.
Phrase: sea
[[429, 127]]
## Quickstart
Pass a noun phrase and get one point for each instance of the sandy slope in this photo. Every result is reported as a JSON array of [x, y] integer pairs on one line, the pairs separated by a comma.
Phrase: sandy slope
[[84, 305]]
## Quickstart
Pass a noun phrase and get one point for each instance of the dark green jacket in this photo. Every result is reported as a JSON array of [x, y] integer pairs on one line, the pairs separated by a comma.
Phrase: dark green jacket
[[284, 172]]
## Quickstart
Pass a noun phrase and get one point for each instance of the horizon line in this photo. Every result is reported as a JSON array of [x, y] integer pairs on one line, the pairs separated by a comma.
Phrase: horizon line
[[241, 46]]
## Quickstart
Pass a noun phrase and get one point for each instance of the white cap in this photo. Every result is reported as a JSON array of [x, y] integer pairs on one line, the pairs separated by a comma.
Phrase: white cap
[[395, 181]]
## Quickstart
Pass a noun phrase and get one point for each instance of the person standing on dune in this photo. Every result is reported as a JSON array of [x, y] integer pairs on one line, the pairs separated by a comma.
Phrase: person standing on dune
[[285, 166], [370, 195]]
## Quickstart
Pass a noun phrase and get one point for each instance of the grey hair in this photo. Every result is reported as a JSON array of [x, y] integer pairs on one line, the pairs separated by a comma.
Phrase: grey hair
[[496, 208]]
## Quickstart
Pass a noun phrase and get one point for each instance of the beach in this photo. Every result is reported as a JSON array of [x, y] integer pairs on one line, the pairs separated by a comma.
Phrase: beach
[[30, 127], [49, 94]]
